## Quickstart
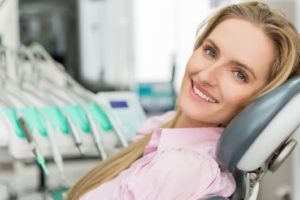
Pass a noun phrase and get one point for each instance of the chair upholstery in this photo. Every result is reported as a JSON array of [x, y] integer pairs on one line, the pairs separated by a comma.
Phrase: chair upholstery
[[250, 131]]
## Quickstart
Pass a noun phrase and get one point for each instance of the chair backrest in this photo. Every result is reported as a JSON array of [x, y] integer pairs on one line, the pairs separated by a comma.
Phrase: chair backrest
[[254, 135], [260, 129]]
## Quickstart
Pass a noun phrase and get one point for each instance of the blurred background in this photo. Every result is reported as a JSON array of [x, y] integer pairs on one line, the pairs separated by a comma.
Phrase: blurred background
[[118, 45]]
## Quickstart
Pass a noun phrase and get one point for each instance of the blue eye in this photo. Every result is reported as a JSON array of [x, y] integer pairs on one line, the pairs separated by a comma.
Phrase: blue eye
[[209, 51], [241, 76]]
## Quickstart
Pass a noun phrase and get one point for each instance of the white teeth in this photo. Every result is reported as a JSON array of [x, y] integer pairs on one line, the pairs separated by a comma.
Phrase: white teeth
[[203, 96]]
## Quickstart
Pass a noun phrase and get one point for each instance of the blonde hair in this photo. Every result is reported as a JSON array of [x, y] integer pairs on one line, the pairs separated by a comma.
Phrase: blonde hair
[[285, 65]]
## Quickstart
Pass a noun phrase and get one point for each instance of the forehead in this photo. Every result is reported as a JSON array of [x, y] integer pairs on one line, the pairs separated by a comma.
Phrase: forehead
[[244, 42]]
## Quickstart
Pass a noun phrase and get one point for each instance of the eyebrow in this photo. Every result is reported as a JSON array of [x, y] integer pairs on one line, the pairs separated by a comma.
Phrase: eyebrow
[[245, 67]]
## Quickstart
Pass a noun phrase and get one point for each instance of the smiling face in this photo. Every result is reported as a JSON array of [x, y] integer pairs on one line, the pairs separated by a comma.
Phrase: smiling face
[[229, 67]]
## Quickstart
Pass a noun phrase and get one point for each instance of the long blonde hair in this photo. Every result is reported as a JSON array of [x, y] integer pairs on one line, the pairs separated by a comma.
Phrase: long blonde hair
[[287, 43]]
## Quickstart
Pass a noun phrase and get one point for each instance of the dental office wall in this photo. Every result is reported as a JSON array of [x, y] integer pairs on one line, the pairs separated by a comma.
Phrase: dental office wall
[[148, 37], [106, 43], [9, 25], [53, 24], [165, 38]]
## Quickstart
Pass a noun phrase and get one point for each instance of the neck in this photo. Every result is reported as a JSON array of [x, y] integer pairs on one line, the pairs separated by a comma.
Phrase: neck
[[183, 121]]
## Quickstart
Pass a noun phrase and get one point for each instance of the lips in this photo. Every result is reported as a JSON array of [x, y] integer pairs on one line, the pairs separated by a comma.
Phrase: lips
[[202, 93]]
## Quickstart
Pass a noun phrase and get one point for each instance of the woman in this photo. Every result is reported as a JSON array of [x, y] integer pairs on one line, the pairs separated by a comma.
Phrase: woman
[[244, 51]]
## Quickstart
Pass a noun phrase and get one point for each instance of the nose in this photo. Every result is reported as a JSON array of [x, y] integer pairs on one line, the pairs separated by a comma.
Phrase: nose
[[210, 74]]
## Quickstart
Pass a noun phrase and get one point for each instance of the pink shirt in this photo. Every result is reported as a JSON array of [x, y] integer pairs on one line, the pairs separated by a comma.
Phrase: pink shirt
[[177, 164]]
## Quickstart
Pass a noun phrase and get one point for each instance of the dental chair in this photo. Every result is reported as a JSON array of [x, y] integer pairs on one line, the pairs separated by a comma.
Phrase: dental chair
[[259, 139]]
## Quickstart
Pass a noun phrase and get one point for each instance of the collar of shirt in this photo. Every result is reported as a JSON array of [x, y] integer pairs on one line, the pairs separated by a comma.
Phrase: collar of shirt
[[166, 138]]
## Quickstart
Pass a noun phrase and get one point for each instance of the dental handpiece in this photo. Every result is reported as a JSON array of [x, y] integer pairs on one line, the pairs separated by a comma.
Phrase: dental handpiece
[[96, 136], [118, 130], [56, 153], [76, 137], [116, 127], [35, 149]]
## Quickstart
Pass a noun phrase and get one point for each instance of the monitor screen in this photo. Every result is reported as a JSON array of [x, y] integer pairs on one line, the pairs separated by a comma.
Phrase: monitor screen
[[118, 104]]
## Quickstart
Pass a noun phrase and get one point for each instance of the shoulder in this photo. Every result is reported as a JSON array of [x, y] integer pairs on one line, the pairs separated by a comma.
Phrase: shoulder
[[153, 123]]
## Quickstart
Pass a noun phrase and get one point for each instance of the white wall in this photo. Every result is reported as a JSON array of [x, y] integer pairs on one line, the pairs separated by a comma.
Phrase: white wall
[[190, 15], [105, 35], [137, 40], [9, 28], [153, 39], [9, 23], [163, 29]]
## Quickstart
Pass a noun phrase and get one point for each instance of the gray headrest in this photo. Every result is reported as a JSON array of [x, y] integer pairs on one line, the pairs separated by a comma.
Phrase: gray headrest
[[247, 126]]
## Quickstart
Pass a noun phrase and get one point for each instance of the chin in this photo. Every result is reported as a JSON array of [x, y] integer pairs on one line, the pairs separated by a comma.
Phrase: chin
[[199, 114], [189, 111]]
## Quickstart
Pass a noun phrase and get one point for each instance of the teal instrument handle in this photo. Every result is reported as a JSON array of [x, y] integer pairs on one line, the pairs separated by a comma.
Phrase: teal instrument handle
[[41, 161], [99, 116], [34, 120], [58, 194], [77, 116], [56, 118], [32, 144], [13, 118]]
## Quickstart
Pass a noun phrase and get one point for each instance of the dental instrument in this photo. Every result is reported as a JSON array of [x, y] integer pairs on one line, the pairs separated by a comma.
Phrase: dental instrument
[[76, 138], [37, 49], [34, 148], [67, 111], [56, 153], [96, 137]]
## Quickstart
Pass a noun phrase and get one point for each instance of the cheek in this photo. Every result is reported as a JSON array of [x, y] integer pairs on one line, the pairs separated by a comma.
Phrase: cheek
[[236, 96], [233, 103], [190, 69], [196, 63], [184, 83]]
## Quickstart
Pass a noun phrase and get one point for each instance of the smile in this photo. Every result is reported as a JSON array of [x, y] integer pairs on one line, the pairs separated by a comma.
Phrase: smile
[[203, 96]]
